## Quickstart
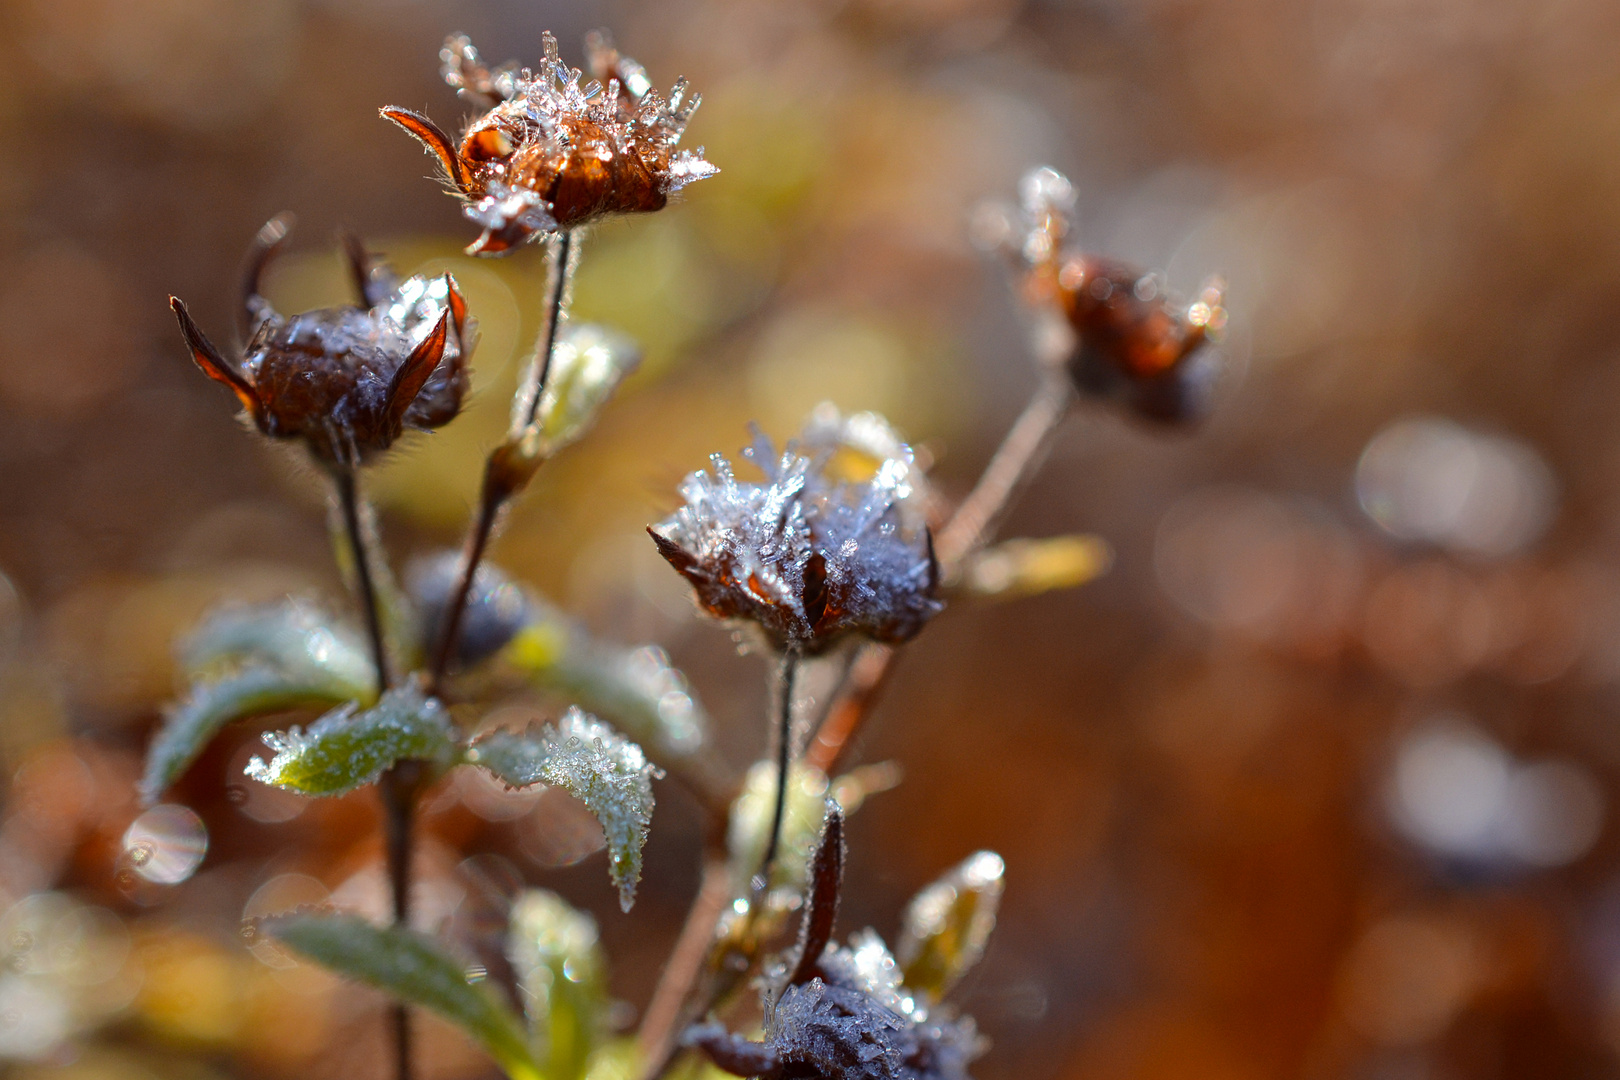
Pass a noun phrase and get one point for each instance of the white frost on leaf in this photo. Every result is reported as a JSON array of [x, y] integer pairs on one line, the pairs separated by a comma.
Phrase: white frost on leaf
[[595, 764], [348, 748]]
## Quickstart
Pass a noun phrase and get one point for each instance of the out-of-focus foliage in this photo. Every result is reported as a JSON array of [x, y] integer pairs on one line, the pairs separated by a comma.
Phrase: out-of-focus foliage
[[557, 958], [948, 924], [415, 968]]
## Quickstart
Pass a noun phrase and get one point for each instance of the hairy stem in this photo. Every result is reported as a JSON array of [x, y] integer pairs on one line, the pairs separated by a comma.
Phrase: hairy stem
[[497, 489], [974, 522]]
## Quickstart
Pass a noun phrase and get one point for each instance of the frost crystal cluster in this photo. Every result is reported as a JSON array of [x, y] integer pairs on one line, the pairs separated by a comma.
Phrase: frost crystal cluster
[[805, 555], [550, 153]]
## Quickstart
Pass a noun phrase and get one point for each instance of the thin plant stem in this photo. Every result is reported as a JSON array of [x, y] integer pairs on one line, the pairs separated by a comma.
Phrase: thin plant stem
[[666, 1011], [397, 785], [349, 503], [784, 764], [1022, 451], [494, 494]]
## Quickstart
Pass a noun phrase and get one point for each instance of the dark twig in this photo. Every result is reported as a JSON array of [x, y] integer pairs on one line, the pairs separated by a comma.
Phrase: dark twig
[[784, 767], [498, 487], [398, 785]]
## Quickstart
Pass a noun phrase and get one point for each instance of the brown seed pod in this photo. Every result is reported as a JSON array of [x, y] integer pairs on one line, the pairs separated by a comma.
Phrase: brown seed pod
[[549, 154], [1134, 342], [347, 380]]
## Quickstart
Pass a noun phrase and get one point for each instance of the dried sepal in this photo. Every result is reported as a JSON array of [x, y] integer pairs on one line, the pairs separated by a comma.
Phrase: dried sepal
[[348, 381], [1133, 341], [805, 556], [550, 154], [556, 955], [948, 924], [349, 748], [1027, 567], [414, 968], [595, 764], [821, 901]]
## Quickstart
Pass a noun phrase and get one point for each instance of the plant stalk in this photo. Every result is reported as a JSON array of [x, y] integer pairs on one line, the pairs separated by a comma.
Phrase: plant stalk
[[398, 785], [495, 492], [784, 765]]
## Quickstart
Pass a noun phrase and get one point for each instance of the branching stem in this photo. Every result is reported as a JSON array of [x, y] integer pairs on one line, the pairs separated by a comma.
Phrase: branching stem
[[495, 493]]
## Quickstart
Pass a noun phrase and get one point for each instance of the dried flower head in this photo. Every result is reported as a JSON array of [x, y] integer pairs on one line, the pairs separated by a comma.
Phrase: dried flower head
[[1134, 341], [806, 556], [550, 154], [347, 380]]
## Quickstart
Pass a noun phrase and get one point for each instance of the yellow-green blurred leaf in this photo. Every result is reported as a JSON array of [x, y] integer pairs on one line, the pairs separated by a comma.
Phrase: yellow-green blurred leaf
[[1027, 567], [948, 924], [557, 957]]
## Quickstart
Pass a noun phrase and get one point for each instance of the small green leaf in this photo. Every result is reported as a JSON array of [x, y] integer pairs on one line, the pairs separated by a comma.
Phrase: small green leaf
[[586, 366], [414, 968], [559, 965], [948, 924], [636, 689], [346, 748], [1026, 567], [596, 765], [293, 637], [190, 725]]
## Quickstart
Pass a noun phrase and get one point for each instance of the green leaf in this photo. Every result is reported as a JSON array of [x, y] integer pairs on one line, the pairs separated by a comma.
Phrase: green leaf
[[586, 366], [416, 969], [190, 725], [346, 748], [948, 924], [593, 763], [635, 689], [295, 637], [555, 953]]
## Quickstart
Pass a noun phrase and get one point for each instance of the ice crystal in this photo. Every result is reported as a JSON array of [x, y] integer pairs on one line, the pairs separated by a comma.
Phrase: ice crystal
[[805, 555], [553, 154], [348, 748], [596, 765]]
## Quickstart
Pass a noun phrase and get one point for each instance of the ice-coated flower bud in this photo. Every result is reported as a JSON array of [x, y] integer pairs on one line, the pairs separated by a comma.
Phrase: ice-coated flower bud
[[347, 380], [550, 154], [803, 555], [1133, 341]]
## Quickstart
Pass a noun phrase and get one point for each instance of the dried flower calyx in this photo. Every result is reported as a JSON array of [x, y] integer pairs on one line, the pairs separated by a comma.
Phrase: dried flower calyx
[[347, 380], [844, 1012], [806, 556], [550, 154], [1134, 341]]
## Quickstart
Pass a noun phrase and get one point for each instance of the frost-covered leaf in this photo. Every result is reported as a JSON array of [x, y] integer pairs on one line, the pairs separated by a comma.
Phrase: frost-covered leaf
[[348, 748], [586, 366], [634, 688], [593, 763], [416, 969], [294, 637], [557, 958], [948, 924], [1028, 567], [191, 724]]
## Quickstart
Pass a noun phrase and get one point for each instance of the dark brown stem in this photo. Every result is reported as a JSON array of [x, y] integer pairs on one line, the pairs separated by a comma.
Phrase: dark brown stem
[[561, 273], [1020, 454], [349, 502], [784, 764], [497, 490], [397, 785]]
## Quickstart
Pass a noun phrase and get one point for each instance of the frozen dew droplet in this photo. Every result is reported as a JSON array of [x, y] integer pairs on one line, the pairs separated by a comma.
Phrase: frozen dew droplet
[[166, 844]]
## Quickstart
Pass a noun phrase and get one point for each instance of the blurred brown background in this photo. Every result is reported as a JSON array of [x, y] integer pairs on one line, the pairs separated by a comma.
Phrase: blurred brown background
[[1318, 782]]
